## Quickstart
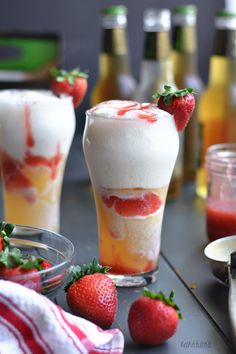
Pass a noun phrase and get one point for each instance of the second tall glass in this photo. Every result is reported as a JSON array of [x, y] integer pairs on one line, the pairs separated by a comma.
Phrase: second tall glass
[[36, 131]]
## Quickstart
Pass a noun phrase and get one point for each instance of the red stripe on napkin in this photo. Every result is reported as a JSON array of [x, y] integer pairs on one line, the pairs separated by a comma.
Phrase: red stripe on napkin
[[30, 322], [54, 309], [25, 330], [15, 334]]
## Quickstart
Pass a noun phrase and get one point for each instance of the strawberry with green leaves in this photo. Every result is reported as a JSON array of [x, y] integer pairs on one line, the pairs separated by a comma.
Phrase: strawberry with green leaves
[[14, 264], [92, 294], [179, 103], [72, 83], [5, 232], [153, 318]]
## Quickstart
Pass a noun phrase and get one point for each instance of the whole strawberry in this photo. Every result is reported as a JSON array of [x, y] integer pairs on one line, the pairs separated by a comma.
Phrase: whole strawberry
[[179, 103], [73, 83], [92, 294], [153, 318]]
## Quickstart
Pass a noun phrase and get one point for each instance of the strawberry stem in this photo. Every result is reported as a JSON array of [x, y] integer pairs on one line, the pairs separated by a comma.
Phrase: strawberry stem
[[14, 258], [169, 92], [61, 75], [86, 269], [167, 300]]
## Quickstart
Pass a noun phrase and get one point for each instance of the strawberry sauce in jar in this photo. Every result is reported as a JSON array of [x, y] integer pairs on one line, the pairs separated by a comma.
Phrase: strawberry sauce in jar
[[221, 199]]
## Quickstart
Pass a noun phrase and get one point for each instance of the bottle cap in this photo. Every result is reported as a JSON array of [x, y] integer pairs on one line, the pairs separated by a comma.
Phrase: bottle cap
[[225, 19], [185, 15], [115, 10], [114, 16], [156, 20], [225, 13], [185, 10]]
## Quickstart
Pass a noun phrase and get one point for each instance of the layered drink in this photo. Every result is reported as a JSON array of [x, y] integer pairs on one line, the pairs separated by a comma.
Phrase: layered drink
[[130, 150], [36, 131]]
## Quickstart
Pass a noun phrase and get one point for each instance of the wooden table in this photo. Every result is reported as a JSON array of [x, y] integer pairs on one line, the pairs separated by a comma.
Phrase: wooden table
[[203, 301]]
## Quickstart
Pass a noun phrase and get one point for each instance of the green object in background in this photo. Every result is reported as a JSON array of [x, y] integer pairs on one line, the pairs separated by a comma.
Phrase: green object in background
[[27, 54]]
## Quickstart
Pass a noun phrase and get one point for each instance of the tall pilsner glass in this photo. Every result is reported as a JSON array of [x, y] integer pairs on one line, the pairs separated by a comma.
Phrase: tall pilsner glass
[[36, 131], [130, 150]]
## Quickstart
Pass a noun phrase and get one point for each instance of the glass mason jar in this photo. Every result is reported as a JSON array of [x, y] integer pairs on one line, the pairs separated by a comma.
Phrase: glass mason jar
[[221, 184]]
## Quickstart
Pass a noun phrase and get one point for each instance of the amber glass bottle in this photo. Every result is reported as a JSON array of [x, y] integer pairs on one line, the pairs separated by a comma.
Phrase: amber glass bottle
[[217, 105], [186, 75], [115, 79], [157, 71]]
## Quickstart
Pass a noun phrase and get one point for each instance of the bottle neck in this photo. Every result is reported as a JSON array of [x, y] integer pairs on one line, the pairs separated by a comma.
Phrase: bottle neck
[[185, 49], [114, 54], [114, 41], [223, 60], [157, 46], [225, 43]]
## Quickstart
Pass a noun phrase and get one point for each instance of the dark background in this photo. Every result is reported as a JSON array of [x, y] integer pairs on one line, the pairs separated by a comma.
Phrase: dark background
[[80, 24]]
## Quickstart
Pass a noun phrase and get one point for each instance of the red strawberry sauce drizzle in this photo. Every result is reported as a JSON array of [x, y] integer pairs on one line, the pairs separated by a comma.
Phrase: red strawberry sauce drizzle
[[150, 117], [29, 139], [148, 204], [14, 178], [142, 113]]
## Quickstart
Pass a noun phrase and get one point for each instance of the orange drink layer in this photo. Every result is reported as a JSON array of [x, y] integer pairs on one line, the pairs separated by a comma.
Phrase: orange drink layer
[[130, 228], [32, 194]]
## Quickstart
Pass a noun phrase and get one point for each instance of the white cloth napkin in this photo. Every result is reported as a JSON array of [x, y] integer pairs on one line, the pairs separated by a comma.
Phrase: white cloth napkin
[[31, 324]]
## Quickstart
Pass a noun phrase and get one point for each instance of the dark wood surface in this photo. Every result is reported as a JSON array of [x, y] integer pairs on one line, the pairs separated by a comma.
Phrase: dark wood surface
[[205, 328]]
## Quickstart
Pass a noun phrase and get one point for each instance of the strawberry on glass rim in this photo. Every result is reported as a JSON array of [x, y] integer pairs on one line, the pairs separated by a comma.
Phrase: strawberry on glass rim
[[179, 103], [72, 83]]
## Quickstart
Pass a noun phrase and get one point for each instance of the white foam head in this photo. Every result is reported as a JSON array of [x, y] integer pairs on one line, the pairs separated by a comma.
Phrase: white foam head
[[52, 121], [130, 145]]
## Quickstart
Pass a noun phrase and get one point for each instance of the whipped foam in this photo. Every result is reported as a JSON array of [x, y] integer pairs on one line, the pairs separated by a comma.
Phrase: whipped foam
[[130, 145], [51, 119]]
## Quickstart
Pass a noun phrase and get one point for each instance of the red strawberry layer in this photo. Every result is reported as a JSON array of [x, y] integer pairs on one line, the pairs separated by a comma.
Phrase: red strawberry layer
[[51, 162], [145, 205], [14, 178]]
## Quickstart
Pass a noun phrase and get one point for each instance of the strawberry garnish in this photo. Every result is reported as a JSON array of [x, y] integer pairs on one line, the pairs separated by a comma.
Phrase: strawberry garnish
[[153, 318], [92, 294], [179, 103], [72, 83]]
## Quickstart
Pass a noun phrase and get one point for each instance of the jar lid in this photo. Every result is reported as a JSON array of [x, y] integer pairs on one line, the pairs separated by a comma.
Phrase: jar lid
[[221, 159]]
